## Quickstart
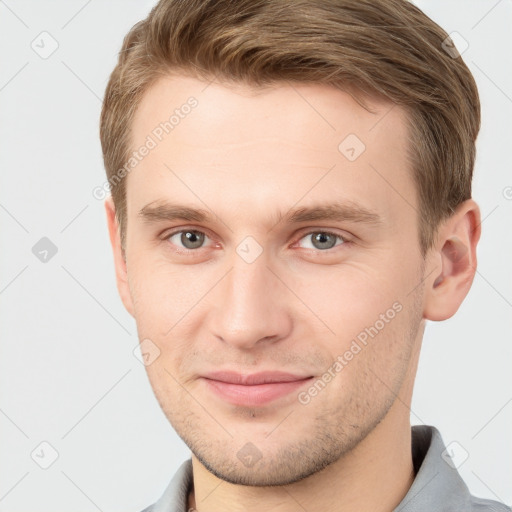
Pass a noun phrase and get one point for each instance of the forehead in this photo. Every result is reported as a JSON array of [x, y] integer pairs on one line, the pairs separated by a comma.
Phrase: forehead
[[245, 146], [329, 109]]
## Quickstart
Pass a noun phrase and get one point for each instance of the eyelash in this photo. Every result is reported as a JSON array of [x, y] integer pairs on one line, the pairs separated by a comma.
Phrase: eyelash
[[184, 250]]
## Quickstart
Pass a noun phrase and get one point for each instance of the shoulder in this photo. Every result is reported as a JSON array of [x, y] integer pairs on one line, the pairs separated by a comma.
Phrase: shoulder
[[484, 505]]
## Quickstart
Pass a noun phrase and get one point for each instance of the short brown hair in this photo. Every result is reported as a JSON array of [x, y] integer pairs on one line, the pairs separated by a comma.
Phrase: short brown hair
[[384, 48]]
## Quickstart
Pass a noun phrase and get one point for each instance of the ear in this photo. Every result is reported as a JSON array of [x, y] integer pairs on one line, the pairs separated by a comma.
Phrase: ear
[[119, 258], [454, 262]]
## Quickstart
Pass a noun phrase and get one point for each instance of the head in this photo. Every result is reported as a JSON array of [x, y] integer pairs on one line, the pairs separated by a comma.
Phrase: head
[[291, 191]]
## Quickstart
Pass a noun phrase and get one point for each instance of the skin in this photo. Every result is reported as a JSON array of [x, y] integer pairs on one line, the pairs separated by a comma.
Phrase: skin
[[244, 154]]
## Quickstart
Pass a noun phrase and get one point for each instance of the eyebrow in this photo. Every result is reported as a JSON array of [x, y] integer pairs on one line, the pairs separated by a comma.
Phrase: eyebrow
[[158, 211]]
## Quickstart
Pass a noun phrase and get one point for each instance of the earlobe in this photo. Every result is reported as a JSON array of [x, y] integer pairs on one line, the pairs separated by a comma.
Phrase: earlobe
[[455, 262], [119, 258]]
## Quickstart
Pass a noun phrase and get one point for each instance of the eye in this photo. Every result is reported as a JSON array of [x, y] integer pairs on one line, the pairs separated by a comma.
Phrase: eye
[[192, 239], [321, 240], [189, 239]]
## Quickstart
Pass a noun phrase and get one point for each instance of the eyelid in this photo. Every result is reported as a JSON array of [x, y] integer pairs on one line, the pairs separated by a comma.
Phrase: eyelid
[[304, 233], [328, 231], [167, 234]]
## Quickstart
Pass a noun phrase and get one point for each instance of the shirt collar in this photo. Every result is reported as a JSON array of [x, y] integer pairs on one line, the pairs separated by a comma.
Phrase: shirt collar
[[437, 485]]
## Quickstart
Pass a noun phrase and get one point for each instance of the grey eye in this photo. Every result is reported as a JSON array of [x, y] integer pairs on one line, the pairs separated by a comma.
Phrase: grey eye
[[321, 240], [189, 239]]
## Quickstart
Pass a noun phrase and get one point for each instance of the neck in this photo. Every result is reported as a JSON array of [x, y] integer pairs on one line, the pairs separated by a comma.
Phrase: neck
[[375, 475]]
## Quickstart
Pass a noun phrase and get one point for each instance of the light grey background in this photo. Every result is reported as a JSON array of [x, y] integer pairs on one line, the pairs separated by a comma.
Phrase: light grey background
[[68, 375]]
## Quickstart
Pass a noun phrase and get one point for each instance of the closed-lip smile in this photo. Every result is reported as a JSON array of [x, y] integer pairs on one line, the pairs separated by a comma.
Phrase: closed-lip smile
[[253, 389]]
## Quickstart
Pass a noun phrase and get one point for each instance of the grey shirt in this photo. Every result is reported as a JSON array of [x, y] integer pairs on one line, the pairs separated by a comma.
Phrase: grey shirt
[[437, 486]]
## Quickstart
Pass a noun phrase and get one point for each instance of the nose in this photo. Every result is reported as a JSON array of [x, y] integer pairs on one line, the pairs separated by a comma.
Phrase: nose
[[252, 305]]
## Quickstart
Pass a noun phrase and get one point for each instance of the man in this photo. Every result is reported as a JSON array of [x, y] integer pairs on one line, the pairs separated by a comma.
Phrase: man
[[291, 201]]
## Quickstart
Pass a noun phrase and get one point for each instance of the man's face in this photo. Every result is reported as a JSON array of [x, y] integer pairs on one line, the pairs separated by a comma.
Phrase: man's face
[[250, 289]]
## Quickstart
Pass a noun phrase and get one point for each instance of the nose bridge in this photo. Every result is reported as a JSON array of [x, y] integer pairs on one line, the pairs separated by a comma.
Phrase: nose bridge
[[250, 303]]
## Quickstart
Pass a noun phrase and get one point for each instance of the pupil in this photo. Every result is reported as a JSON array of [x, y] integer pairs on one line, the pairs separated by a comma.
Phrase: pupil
[[192, 240], [323, 239]]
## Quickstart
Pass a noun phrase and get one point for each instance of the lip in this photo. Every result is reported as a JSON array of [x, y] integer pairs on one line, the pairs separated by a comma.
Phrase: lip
[[254, 389]]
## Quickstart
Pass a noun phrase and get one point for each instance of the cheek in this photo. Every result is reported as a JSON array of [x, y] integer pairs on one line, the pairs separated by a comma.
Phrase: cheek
[[343, 302], [351, 298], [373, 370], [162, 293], [164, 300], [166, 389], [373, 320]]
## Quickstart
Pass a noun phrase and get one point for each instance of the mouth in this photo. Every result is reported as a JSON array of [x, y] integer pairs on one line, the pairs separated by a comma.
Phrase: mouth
[[255, 389]]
